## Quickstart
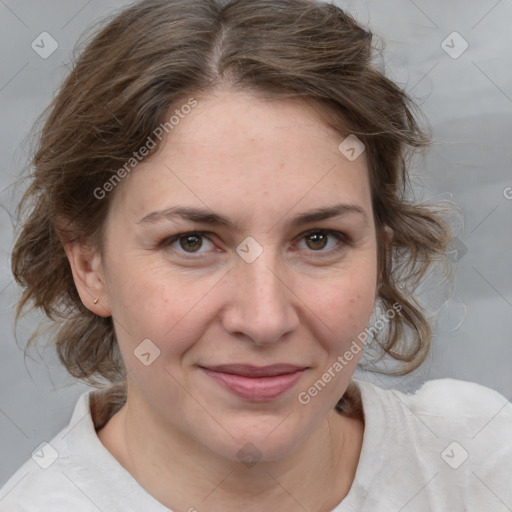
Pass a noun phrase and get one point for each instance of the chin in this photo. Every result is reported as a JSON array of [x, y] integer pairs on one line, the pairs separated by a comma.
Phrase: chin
[[272, 441]]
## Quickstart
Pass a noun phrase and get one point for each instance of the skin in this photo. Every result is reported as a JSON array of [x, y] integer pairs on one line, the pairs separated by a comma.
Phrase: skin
[[301, 301]]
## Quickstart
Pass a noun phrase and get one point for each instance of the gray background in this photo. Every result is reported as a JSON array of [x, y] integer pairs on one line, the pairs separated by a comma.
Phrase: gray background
[[468, 101]]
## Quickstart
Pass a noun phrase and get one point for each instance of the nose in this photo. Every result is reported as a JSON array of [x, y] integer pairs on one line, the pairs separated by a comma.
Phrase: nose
[[262, 306]]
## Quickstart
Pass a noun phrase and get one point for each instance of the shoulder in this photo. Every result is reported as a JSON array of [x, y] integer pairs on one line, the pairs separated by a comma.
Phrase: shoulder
[[456, 397], [449, 399], [33, 488], [447, 407], [444, 417], [451, 438], [48, 479], [74, 471], [465, 412]]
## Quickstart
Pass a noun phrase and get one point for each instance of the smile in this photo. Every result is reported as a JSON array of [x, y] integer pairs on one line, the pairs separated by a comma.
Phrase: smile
[[255, 384]]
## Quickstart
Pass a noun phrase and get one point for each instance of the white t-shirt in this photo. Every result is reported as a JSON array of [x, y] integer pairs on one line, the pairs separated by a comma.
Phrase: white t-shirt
[[448, 447]]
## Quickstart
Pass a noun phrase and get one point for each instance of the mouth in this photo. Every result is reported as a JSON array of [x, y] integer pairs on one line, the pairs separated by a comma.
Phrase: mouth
[[255, 384]]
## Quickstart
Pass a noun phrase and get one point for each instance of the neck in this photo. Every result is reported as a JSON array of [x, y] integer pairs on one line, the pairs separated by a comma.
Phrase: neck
[[184, 475]]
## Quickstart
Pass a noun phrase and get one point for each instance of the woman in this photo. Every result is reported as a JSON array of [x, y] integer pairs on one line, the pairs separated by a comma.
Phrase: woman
[[219, 203]]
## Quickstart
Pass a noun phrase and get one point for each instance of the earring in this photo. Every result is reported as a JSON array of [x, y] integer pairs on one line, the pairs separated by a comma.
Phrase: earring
[[95, 301]]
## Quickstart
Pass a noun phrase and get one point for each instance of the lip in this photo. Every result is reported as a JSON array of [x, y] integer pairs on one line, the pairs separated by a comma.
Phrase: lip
[[256, 384]]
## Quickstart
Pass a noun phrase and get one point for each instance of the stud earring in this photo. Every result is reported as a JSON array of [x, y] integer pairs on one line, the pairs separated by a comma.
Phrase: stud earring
[[95, 301]]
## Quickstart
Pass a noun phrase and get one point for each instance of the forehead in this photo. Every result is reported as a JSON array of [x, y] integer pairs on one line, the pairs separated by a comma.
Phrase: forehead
[[238, 151]]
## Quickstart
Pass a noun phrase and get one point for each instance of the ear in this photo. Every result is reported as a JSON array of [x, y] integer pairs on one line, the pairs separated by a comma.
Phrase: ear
[[389, 233], [88, 273]]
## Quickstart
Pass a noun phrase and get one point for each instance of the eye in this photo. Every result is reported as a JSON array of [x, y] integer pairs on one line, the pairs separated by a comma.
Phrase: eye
[[318, 240], [189, 243]]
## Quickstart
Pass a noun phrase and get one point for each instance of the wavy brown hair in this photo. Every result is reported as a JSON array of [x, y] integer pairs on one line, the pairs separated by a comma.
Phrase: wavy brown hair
[[146, 61]]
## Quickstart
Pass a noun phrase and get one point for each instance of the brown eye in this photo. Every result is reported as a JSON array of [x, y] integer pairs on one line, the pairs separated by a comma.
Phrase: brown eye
[[324, 241], [191, 243], [316, 240], [188, 243]]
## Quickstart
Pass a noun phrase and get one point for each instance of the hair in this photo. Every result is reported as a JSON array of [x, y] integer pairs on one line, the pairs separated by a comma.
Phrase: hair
[[148, 59]]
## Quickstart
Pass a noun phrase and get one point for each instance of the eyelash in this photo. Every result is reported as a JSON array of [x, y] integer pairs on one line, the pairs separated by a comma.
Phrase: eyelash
[[338, 235]]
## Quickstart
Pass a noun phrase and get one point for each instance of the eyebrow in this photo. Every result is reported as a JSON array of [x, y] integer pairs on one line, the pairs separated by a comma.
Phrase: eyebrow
[[202, 216]]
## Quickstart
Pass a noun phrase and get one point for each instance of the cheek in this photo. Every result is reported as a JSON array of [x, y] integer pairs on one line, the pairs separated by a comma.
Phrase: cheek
[[156, 304], [344, 304]]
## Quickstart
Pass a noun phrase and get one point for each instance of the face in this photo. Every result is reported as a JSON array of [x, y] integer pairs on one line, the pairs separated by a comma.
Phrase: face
[[212, 253]]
